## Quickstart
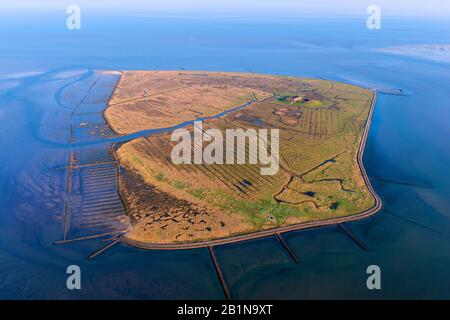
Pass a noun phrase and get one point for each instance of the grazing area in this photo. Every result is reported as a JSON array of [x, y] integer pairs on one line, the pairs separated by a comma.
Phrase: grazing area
[[173, 98], [321, 126]]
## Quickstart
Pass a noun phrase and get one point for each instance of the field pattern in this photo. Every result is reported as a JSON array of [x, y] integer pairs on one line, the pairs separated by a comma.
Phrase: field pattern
[[321, 125]]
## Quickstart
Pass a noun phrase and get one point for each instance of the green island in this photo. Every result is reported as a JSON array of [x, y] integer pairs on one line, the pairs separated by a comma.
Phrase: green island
[[322, 127]]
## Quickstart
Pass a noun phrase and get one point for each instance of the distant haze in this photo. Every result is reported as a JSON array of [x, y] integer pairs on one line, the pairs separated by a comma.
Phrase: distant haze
[[427, 8]]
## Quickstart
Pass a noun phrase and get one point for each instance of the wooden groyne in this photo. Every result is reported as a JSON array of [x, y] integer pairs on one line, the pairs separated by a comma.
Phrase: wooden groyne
[[287, 248], [344, 229], [219, 273]]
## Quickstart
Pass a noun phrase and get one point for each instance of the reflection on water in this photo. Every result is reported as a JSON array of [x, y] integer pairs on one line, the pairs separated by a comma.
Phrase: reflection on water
[[407, 156]]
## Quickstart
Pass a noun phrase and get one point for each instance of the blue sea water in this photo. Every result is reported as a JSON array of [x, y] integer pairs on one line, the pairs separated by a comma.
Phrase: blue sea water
[[406, 157]]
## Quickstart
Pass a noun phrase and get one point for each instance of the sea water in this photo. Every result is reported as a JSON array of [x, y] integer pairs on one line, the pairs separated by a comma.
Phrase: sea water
[[406, 156]]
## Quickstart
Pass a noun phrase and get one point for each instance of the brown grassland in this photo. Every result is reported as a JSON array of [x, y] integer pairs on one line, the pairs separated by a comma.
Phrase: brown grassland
[[321, 125]]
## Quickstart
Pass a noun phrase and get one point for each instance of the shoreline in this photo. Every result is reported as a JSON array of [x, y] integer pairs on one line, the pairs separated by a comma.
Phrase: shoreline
[[273, 231]]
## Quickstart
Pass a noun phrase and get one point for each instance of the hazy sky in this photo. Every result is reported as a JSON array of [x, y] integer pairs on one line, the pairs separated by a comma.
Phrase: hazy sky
[[244, 7]]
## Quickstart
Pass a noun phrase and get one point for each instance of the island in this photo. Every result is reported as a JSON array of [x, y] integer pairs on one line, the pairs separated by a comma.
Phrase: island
[[322, 125]]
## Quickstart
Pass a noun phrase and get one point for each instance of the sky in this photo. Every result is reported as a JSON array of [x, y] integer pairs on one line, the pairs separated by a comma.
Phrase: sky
[[428, 8]]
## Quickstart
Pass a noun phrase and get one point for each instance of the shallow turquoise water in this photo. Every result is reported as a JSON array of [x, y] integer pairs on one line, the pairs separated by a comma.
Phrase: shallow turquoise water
[[407, 156]]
